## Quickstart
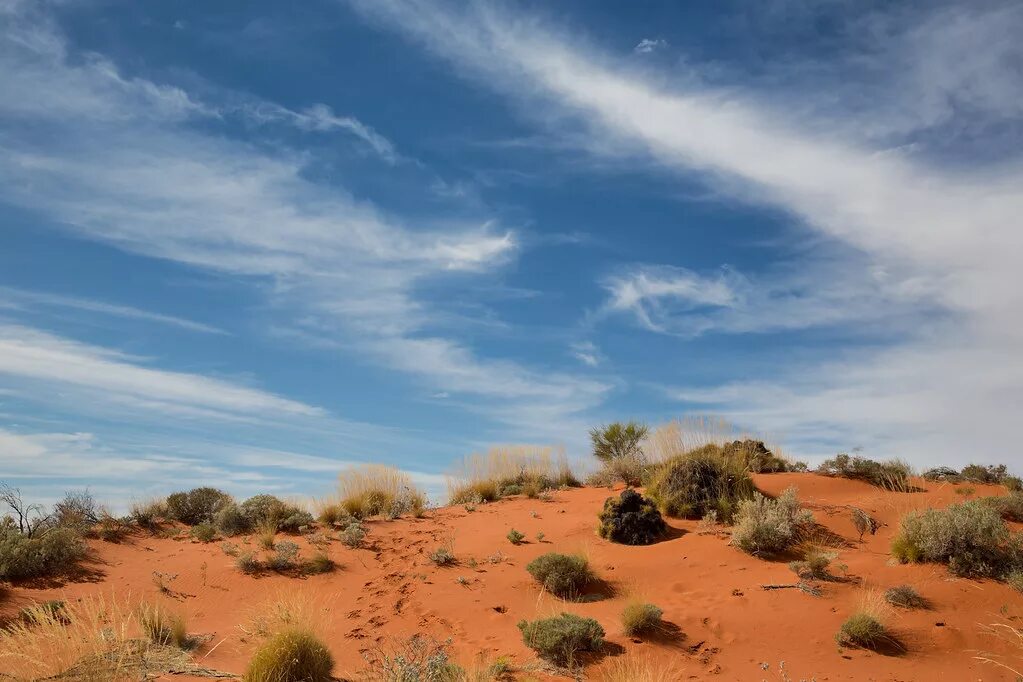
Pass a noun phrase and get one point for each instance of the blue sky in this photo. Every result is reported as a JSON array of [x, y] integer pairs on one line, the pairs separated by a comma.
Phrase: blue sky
[[248, 243]]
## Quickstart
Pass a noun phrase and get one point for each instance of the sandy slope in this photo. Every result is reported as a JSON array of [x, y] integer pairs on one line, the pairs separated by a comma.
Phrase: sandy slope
[[730, 628]]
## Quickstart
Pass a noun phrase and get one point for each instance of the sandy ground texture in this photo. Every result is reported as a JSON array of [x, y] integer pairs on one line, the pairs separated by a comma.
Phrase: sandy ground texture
[[723, 624]]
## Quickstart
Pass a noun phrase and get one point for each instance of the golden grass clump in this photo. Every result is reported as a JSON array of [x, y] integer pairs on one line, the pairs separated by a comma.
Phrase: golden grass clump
[[509, 470], [162, 626], [377, 489], [291, 655], [865, 627], [639, 618], [637, 669], [695, 483]]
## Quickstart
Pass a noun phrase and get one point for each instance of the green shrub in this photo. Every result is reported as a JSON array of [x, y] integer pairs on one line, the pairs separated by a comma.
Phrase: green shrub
[[861, 630], [265, 509], [890, 475], [320, 563], [700, 481], [353, 535], [617, 440], [295, 521], [203, 532], [442, 556], [417, 659], [248, 563], [515, 537], [980, 473], [197, 505], [55, 551], [232, 520], [633, 470], [970, 537], [562, 575], [1009, 507], [754, 456], [638, 619], [292, 655], [814, 565], [631, 519], [904, 596], [284, 556], [764, 526], [561, 638]]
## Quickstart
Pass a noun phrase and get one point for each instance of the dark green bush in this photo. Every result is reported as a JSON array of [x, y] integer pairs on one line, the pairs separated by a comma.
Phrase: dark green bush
[[905, 597], [561, 638], [197, 505], [980, 473], [1010, 506], [231, 520], [291, 656], [562, 575], [861, 630], [697, 482], [203, 532], [631, 519], [970, 537], [52, 552], [890, 475], [754, 456]]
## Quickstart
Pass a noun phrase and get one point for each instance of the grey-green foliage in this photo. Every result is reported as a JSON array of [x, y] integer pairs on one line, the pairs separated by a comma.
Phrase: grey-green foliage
[[617, 440]]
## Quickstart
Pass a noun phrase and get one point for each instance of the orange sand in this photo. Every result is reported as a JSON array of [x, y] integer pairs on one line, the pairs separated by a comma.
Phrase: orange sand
[[730, 627]]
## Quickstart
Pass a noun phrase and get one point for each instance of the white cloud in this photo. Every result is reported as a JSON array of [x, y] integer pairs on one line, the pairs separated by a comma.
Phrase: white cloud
[[944, 234], [587, 353], [648, 45], [21, 297], [109, 375]]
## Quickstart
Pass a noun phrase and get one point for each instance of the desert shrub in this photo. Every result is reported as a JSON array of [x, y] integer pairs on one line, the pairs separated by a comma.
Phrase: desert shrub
[[862, 630], [264, 509], [284, 556], [52, 552], [617, 440], [699, 481], [248, 563], [442, 556], [292, 655], [203, 532], [1009, 507], [197, 505], [561, 574], [947, 474], [637, 668], [980, 473], [764, 526], [320, 563], [296, 521], [633, 470], [904, 596], [631, 519], [799, 467], [970, 537], [515, 537], [1013, 483], [111, 528], [332, 514], [559, 639], [416, 659], [232, 520], [147, 514], [1014, 579], [754, 456], [814, 565], [77, 510], [890, 475], [375, 489], [353, 534], [508, 470], [163, 627], [639, 618]]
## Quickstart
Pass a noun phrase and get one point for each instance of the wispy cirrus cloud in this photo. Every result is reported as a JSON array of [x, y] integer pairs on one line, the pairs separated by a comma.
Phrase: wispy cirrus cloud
[[939, 235]]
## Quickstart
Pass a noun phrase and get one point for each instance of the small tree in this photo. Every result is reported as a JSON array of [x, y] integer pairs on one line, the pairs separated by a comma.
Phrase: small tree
[[617, 440]]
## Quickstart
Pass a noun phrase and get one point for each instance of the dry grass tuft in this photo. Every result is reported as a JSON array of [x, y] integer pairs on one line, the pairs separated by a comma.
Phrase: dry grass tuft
[[509, 470], [374, 490], [637, 669]]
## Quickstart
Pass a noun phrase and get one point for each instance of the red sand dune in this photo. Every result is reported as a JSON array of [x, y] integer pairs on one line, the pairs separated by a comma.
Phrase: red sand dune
[[730, 627]]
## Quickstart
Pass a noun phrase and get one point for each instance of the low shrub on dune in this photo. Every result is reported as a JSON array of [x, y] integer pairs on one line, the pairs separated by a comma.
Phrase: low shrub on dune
[[561, 638], [764, 526], [509, 470], [705, 480], [639, 619], [197, 505], [862, 630], [50, 552], [631, 519], [378, 490], [561, 574], [890, 475], [292, 655]]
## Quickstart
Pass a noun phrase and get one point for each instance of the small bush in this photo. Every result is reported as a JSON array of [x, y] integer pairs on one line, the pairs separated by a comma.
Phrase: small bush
[[814, 564], [638, 619], [632, 470], [631, 519], [562, 575], [515, 537], [1009, 507], [417, 659], [699, 481], [442, 556], [292, 655], [284, 556], [333, 515], [353, 535], [296, 521], [764, 526], [890, 475], [508, 470], [232, 520], [990, 474], [1014, 578], [248, 563], [147, 514], [54, 552], [905, 597], [376, 489], [561, 638], [197, 505], [754, 456], [617, 440], [861, 630], [203, 532], [970, 537]]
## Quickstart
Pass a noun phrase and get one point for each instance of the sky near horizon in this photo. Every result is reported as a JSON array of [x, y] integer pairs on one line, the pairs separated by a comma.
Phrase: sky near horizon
[[248, 243]]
